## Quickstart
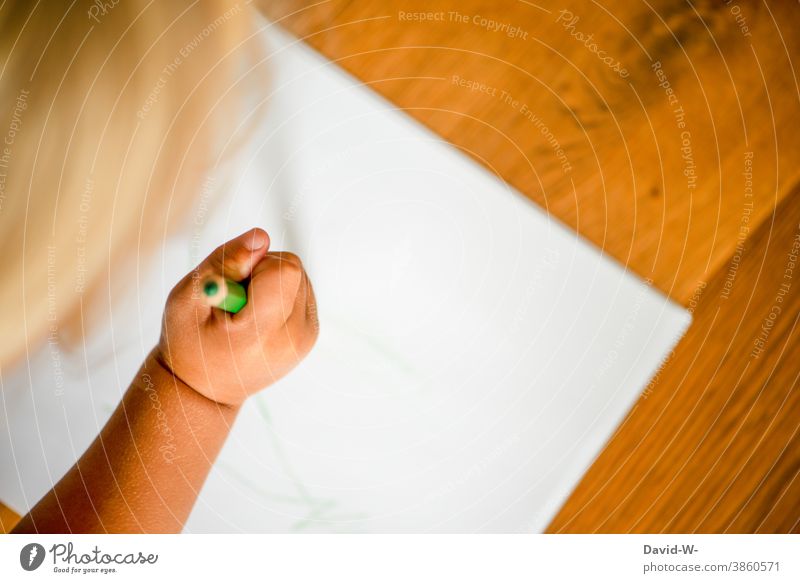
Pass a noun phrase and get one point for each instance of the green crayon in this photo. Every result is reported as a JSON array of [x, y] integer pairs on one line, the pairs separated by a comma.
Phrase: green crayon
[[224, 294]]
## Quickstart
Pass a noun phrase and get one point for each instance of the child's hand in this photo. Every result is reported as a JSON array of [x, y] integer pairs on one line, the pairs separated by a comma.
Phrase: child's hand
[[227, 357]]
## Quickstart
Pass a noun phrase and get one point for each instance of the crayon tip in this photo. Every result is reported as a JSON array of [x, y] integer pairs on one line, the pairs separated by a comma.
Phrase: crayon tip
[[210, 288]]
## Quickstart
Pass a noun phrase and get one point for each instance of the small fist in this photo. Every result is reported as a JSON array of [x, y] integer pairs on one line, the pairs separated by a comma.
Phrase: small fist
[[228, 357]]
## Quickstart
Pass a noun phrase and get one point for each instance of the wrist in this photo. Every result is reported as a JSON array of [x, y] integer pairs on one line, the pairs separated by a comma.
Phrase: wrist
[[158, 365]]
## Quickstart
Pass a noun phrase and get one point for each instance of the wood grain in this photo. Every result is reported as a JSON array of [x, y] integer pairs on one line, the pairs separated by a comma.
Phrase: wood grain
[[655, 179], [625, 190], [8, 518], [713, 444]]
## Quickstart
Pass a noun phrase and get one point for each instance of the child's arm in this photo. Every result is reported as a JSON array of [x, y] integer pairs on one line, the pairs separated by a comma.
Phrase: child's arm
[[145, 469]]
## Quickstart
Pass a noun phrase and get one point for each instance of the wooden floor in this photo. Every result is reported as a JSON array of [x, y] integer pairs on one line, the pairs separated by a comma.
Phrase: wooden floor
[[669, 138], [679, 157]]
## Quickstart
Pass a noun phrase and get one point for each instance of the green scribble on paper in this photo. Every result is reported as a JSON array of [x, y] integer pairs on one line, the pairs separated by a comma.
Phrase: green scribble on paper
[[318, 510]]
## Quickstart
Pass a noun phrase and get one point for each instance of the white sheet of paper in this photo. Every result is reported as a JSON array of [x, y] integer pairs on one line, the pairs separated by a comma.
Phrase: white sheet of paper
[[474, 354]]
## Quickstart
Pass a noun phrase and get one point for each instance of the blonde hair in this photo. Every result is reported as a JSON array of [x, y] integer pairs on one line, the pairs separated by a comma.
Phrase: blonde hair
[[111, 114]]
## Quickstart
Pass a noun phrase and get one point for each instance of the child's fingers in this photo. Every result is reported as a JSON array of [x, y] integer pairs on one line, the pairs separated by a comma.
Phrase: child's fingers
[[237, 258], [311, 316], [274, 286], [234, 259], [301, 328], [298, 319], [302, 324], [282, 305]]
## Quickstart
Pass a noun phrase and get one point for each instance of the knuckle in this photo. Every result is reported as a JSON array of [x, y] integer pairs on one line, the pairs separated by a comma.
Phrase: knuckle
[[174, 294], [178, 293], [215, 262], [290, 269], [290, 263]]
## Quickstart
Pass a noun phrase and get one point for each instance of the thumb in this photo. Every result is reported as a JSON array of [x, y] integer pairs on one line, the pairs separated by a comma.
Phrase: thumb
[[236, 258], [233, 260]]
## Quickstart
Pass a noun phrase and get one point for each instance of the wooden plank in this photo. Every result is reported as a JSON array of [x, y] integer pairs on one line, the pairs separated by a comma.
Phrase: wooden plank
[[8, 518], [713, 443], [627, 148]]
